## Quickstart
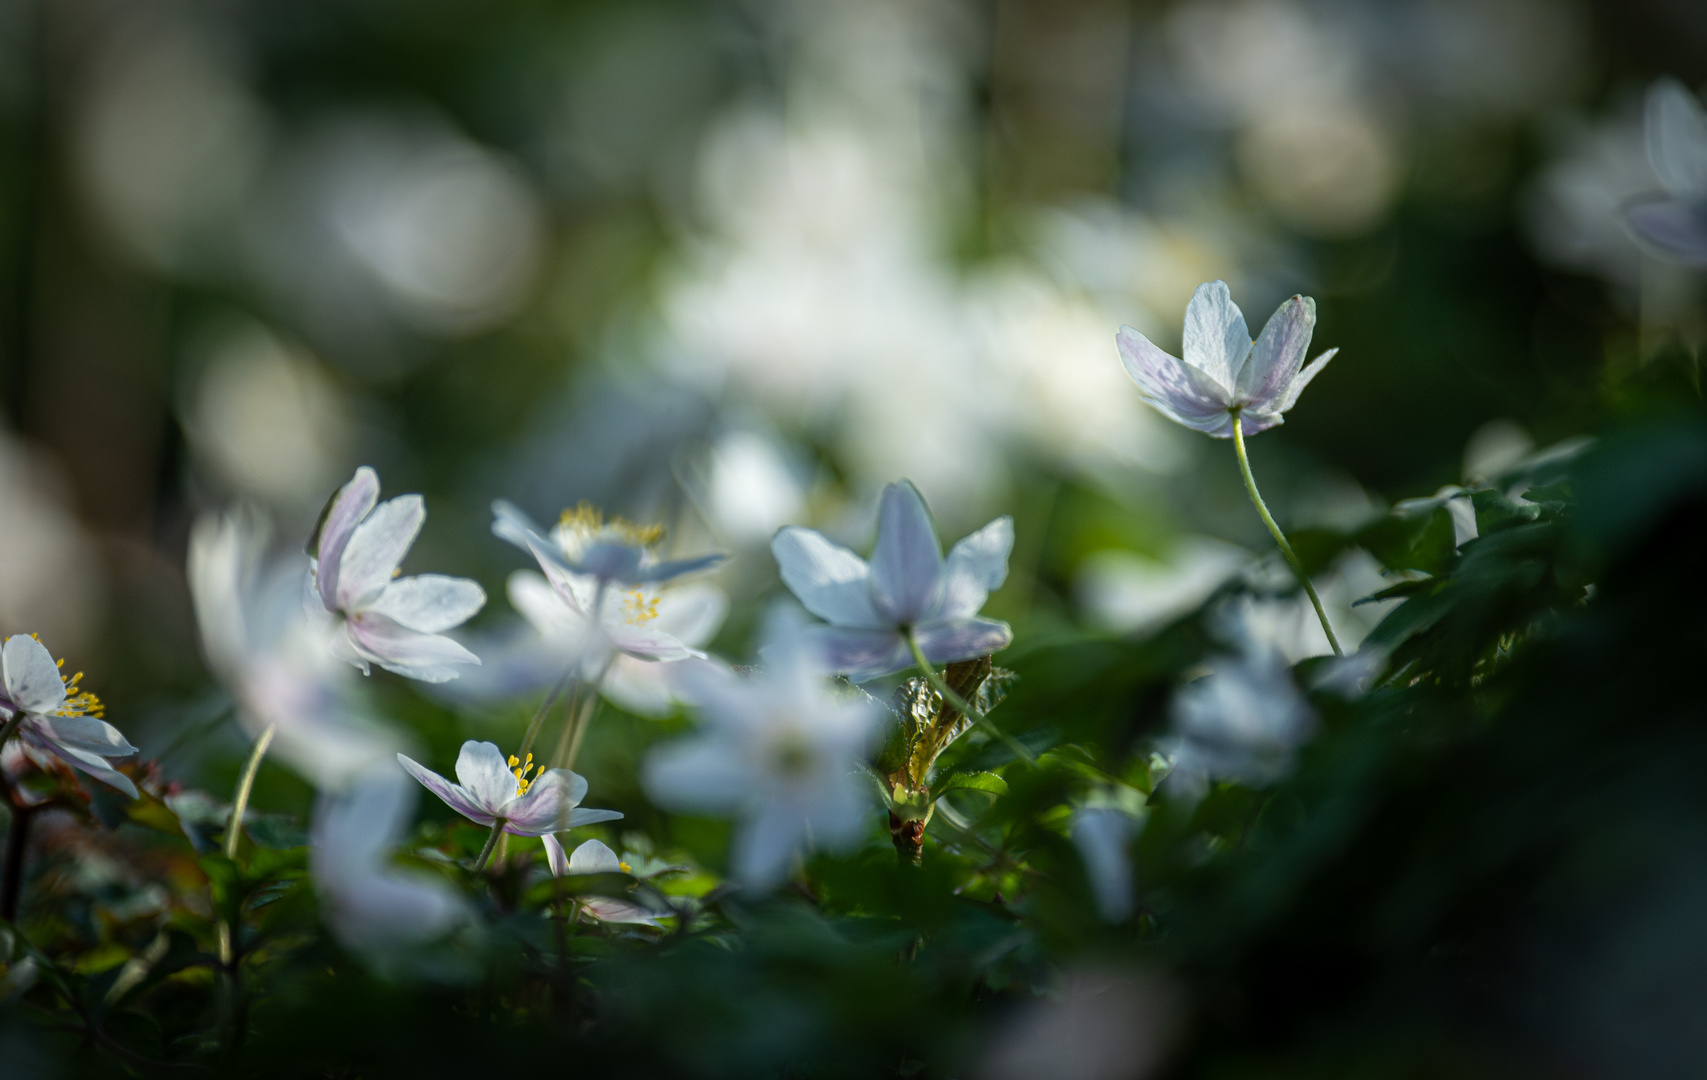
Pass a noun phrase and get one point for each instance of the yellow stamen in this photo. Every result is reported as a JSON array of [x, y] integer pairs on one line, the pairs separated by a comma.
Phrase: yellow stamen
[[521, 770], [637, 609], [587, 518]]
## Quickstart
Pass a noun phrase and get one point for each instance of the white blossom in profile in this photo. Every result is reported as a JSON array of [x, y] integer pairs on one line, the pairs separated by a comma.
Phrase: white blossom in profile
[[1224, 373], [491, 788], [380, 618], [777, 751], [594, 857], [58, 717]]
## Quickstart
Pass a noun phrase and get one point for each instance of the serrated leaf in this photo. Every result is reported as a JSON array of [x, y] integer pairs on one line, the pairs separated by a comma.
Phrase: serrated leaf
[[975, 781]]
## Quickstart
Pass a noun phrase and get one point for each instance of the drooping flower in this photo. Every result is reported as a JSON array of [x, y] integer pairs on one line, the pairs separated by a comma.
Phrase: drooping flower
[[259, 642], [491, 788], [908, 587], [371, 906], [1223, 369], [778, 752], [593, 857], [397, 623], [1673, 221], [58, 717]]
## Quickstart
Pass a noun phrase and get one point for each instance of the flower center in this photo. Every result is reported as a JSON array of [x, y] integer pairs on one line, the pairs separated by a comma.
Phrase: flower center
[[521, 769], [587, 522], [78, 702], [791, 755], [637, 608]]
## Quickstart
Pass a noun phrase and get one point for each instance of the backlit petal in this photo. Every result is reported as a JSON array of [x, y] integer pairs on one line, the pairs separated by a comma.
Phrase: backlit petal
[[858, 654], [455, 796], [484, 773], [352, 503], [594, 857], [427, 657], [1179, 392], [1216, 342], [827, 578], [1677, 138], [976, 567], [31, 676], [375, 550], [430, 603], [1278, 353], [962, 639], [906, 566]]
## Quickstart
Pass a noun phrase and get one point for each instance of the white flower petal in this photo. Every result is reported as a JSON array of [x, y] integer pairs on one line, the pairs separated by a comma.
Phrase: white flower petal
[[1102, 834], [976, 567], [1278, 353], [639, 686], [1677, 138], [1298, 384], [593, 857], [430, 603], [427, 657], [375, 550], [84, 733], [765, 844], [455, 796], [962, 639], [1217, 341], [31, 677], [484, 773], [691, 613], [906, 566], [352, 503], [704, 773], [827, 578], [1181, 393], [554, 856]]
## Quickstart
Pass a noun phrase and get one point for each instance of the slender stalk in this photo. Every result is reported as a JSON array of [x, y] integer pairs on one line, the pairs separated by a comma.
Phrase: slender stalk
[[940, 685], [491, 843], [245, 782], [11, 727], [1279, 537], [545, 709]]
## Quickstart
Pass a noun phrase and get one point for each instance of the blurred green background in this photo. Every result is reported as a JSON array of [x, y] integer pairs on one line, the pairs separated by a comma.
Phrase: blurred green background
[[734, 265]]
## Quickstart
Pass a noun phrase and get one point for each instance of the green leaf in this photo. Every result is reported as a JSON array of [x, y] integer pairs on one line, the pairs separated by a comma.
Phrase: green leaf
[[974, 781], [277, 831], [1495, 512]]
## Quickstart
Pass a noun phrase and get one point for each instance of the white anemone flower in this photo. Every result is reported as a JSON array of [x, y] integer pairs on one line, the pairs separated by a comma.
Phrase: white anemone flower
[[1224, 372], [624, 632], [1243, 722], [594, 857], [1673, 222], [397, 623], [55, 716], [261, 645], [780, 753], [372, 907], [492, 789], [906, 588]]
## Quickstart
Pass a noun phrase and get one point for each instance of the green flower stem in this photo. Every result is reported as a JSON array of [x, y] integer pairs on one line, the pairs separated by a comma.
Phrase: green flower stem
[[491, 843], [1279, 537], [964, 707], [545, 710], [245, 782]]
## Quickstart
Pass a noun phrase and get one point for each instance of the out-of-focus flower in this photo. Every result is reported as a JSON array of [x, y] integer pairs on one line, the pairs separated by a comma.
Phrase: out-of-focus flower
[[751, 488], [1242, 722], [593, 857], [1130, 593], [1223, 369], [492, 788], [622, 626], [1096, 1025], [906, 588], [260, 643], [1103, 833], [586, 545], [369, 905], [779, 752], [397, 623], [1674, 222], [58, 717]]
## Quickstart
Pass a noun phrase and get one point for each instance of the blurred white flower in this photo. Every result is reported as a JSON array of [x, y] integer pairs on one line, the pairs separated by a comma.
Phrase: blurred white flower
[[1127, 592], [372, 907], [620, 630], [1096, 1024], [397, 623], [258, 640], [1224, 372], [1288, 623], [906, 589], [593, 857], [1103, 834], [780, 752], [1674, 222], [751, 489], [58, 716], [1242, 722]]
